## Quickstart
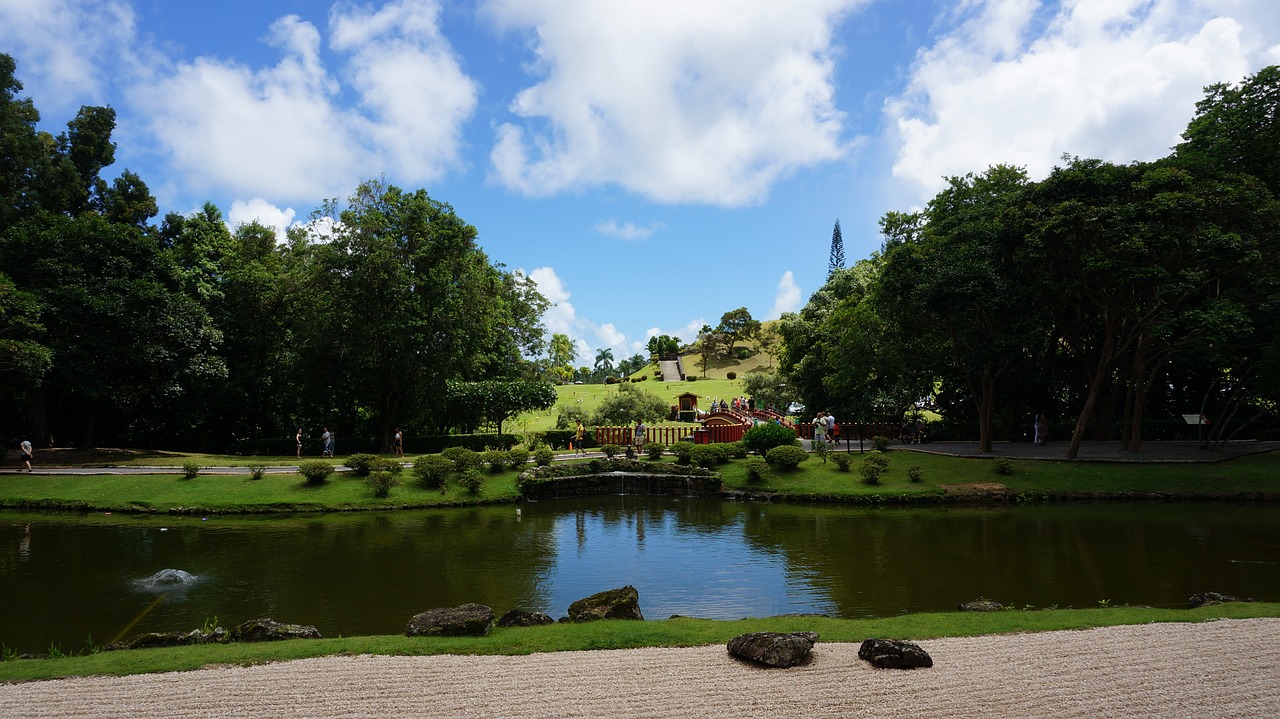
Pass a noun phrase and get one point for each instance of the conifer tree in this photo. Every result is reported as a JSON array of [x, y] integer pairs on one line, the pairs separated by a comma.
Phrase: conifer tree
[[836, 262]]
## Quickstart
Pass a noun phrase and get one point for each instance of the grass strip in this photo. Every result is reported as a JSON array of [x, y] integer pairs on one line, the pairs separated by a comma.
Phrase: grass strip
[[675, 632]]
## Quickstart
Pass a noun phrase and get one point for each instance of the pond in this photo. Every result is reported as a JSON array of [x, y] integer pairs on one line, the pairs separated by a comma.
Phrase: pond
[[65, 578]]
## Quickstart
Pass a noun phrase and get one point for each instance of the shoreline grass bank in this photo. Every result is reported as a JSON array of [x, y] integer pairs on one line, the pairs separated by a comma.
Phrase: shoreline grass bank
[[617, 634]]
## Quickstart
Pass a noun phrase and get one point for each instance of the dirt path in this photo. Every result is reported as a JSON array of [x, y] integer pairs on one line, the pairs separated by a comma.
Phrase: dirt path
[[1226, 668]]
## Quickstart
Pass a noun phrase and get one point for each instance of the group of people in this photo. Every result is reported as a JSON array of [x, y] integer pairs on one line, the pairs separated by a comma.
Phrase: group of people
[[326, 443], [739, 404], [825, 428]]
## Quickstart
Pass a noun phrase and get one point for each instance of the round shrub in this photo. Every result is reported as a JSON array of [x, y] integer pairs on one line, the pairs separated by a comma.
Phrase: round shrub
[[190, 469], [764, 437], [731, 375], [432, 470], [496, 459], [257, 470], [385, 464], [471, 480], [360, 464], [381, 482], [543, 457], [316, 471], [610, 450], [654, 451], [683, 452], [873, 468], [517, 458], [737, 450], [757, 470], [1003, 466], [881, 442], [786, 456], [462, 458], [705, 455], [842, 460], [914, 474]]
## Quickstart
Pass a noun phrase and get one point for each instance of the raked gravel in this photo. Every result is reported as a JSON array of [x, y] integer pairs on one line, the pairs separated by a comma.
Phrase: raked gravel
[[1219, 669]]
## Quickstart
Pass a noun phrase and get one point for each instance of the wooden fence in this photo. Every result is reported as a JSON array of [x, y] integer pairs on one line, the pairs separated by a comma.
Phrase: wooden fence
[[661, 434]]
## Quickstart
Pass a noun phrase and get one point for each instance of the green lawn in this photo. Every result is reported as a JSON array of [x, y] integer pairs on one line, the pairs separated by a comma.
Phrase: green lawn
[[617, 634]]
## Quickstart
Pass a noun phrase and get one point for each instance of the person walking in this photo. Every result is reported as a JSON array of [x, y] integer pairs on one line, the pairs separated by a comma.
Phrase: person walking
[[397, 443], [833, 429], [639, 434], [28, 453], [324, 443], [1042, 429], [819, 429], [579, 437], [298, 439]]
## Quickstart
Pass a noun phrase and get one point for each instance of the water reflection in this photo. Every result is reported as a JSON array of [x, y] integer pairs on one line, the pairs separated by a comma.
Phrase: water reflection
[[64, 578]]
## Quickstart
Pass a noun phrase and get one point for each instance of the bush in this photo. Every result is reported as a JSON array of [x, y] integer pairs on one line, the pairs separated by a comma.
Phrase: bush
[[737, 450], [913, 473], [786, 456], [256, 471], [610, 450], [881, 442], [764, 437], [654, 451], [471, 480], [842, 460], [683, 452], [190, 469], [820, 449], [496, 459], [705, 455], [386, 464], [381, 482], [731, 375], [1003, 465], [757, 470], [316, 471], [462, 458], [543, 457], [360, 463], [517, 458], [432, 470], [691, 378], [873, 468]]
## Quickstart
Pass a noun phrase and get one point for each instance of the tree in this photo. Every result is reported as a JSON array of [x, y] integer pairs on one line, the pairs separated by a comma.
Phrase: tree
[[604, 360], [563, 354], [737, 325], [22, 357], [661, 346], [497, 400], [836, 259], [1238, 128], [630, 404]]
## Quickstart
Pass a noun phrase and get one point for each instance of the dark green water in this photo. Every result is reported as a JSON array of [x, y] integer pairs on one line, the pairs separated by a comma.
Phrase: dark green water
[[64, 578]]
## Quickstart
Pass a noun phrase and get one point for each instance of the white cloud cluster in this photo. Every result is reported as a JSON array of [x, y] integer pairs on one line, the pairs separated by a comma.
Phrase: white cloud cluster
[[259, 210], [65, 48], [629, 230], [284, 131], [787, 298], [562, 318], [1022, 82], [706, 102]]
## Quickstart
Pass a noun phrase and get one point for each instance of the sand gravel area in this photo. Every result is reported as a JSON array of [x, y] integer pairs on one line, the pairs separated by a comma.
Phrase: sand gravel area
[[1224, 668]]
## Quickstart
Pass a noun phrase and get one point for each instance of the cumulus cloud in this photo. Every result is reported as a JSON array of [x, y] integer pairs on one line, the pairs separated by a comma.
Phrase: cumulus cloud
[[787, 298], [629, 230], [283, 131], [261, 211], [562, 318], [1021, 82], [708, 102], [68, 50]]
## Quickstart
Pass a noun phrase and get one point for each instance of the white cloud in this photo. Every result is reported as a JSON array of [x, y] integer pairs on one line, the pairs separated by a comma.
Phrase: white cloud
[[259, 210], [283, 132], [1020, 83], [787, 298], [562, 318], [68, 51], [707, 102], [628, 231]]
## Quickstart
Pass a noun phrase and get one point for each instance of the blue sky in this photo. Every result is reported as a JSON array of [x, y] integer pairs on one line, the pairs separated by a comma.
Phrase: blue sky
[[651, 164]]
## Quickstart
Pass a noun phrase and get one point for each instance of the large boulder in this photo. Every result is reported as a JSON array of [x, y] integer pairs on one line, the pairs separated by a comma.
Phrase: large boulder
[[982, 604], [269, 630], [468, 620], [521, 618], [147, 640], [893, 654], [623, 603], [773, 649], [1205, 599]]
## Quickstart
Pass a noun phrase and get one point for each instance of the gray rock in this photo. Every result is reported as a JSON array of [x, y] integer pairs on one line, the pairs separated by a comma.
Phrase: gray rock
[[269, 630], [1205, 599], [170, 578], [147, 640], [521, 618], [893, 654], [982, 605], [773, 649], [623, 603], [468, 620]]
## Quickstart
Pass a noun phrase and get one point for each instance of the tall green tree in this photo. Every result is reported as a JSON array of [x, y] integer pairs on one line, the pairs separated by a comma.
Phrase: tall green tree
[[1237, 128], [835, 261]]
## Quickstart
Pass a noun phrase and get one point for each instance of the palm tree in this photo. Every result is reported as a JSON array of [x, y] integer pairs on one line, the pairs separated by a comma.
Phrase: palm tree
[[604, 359]]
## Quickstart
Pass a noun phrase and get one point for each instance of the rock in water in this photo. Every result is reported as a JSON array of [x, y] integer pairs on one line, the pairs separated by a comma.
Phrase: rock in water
[[893, 654], [269, 630], [623, 603], [468, 620], [773, 649], [171, 577]]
